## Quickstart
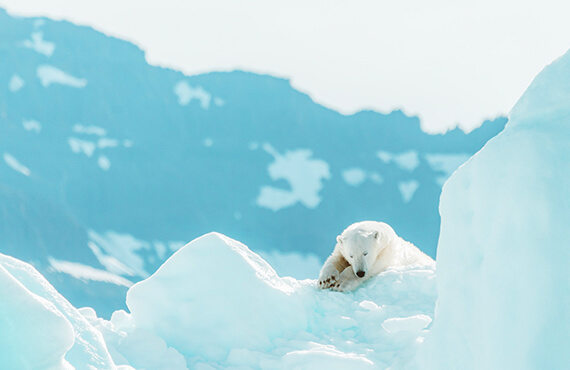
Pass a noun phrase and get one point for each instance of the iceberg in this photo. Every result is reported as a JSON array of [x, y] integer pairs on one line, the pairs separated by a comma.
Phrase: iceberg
[[503, 254]]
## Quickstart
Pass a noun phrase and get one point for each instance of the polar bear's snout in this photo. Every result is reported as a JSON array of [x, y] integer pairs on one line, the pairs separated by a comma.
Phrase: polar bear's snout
[[360, 274]]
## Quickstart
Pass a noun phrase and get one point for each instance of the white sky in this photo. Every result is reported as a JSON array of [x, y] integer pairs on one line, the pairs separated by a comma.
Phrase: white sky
[[449, 62]]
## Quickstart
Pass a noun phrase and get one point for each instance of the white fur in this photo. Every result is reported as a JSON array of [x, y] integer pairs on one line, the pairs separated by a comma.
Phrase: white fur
[[368, 248]]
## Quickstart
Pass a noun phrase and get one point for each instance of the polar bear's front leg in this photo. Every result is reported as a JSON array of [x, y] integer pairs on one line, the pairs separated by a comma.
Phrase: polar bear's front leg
[[347, 281], [330, 273]]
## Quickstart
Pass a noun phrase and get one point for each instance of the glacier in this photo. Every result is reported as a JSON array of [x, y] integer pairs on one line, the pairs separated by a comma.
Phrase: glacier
[[504, 250]]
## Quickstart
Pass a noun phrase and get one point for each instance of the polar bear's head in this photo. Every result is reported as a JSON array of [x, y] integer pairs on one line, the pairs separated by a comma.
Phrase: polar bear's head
[[361, 244]]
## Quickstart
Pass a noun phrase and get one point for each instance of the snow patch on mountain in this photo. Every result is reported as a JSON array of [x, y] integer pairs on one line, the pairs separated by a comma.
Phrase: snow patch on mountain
[[187, 93], [49, 75], [304, 175], [123, 248], [446, 164], [408, 189], [16, 83], [39, 45], [85, 272], [407, 161], [104, 162], [32, 125], [356, 176], [89, 130], [81, 146], [14, 164], [107, 143]]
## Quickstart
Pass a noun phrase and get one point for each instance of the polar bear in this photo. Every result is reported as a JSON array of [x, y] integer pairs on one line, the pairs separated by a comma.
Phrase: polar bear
[[364, 250]]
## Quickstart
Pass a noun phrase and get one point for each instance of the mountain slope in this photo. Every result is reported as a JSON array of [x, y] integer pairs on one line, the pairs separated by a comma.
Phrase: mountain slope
[[110, 164]]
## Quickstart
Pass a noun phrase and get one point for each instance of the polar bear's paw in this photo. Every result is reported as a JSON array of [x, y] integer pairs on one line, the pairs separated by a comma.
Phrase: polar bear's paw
[[328, 280], [344, 286]]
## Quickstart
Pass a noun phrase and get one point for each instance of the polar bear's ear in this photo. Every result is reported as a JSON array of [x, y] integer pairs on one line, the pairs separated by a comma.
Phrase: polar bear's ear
[[339, 239], [376, 235]]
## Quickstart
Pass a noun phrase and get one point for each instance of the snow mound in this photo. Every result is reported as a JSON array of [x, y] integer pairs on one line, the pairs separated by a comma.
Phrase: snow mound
[[216, 303], [39, 329], [503, 256], [215, 285]]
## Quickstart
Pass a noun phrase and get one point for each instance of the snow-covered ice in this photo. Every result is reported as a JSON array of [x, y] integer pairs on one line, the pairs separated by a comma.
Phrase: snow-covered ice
[[218, 304], [503, 256], [39, 329]]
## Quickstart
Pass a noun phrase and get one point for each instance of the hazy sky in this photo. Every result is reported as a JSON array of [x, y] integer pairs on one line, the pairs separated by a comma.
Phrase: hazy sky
[[449, 62]]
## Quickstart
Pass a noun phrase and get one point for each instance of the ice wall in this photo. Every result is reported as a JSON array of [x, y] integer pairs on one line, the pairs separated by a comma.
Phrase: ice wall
[[504, 252]]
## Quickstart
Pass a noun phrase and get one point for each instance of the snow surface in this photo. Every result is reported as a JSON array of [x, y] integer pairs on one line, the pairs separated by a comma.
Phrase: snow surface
[[304, 175], [503, 255], [216, 304], [51, 75]]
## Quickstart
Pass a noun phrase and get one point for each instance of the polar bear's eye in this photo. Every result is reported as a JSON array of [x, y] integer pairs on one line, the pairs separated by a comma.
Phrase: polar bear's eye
[[351, 257], [366, 254]]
